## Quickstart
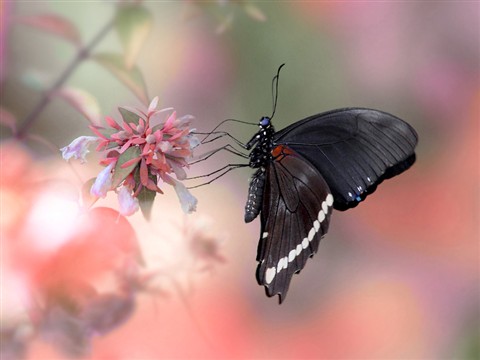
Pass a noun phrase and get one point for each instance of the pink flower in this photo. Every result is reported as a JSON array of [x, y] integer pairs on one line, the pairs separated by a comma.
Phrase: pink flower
[[78, 148], [147, 147], [103, 182]]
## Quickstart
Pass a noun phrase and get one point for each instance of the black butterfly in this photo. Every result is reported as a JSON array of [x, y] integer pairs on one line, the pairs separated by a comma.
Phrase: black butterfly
[[332, 160], [327, 161]]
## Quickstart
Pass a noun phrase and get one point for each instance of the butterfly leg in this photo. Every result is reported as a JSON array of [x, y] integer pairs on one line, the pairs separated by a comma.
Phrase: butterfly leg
[[222, 171], [208, 154]]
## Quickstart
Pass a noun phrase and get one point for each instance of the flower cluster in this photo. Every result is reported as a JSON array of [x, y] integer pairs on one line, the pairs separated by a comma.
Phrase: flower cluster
[[141, 152]]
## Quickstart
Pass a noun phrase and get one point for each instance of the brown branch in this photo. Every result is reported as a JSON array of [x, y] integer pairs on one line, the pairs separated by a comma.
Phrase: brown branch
[[82, 54]]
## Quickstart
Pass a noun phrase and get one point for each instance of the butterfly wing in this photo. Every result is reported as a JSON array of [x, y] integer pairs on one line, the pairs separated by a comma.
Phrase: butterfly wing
[[295, 214], [354, 149]]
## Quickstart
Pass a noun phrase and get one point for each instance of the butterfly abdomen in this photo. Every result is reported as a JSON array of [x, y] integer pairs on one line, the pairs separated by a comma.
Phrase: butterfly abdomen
[[255, 195]]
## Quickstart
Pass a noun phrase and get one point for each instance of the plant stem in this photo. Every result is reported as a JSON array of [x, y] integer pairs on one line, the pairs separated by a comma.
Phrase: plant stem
[[82, 54]]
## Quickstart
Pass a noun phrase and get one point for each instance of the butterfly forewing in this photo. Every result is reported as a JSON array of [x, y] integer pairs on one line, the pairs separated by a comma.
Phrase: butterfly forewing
[[354, 149], [295, 214]]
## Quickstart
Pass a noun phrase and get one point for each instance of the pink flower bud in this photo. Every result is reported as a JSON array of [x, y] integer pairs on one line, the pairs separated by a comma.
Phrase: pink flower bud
[[153, 105], [164, 146], [151, 139]]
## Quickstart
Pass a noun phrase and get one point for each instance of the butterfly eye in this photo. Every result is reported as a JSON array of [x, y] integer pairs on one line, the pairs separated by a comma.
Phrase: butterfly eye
[[265, 121]]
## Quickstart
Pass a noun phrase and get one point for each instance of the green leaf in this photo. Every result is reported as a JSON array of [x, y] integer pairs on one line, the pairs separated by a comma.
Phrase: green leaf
[[145, 199], [88, 199], [119, 173], [132, 78], [112, 145], [133, 24], [254, 12], [145, 196], [106, 132], [129, 116], [101, 131]]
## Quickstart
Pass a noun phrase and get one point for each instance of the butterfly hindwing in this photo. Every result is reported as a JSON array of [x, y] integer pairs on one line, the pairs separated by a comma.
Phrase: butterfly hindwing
[[354, 149], [295, 214]]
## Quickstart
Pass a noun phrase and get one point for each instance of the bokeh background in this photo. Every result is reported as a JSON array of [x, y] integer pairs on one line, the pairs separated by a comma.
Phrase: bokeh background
[[396, 278]]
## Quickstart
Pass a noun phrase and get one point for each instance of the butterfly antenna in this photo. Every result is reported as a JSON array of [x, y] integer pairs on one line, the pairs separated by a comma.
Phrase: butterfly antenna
[[275, 89]]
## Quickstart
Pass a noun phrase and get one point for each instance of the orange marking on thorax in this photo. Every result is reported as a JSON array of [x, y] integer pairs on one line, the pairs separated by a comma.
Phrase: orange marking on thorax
[[280, 151]]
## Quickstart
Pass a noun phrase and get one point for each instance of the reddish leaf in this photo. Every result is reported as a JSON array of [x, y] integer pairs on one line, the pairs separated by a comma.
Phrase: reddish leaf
[[54, 24], [82, 101], [112, 123], [102, 132], [143, 173], [131, 162], [7, 119]]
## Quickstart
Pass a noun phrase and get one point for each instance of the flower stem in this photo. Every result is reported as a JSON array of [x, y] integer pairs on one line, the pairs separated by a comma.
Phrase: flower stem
[[82, 54]]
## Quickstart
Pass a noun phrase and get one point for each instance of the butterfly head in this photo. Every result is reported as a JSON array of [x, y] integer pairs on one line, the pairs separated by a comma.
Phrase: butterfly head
[[264, 122]]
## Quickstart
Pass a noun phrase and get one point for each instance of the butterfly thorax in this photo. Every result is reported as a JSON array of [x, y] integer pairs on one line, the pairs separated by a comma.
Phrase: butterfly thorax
[[262, 144]]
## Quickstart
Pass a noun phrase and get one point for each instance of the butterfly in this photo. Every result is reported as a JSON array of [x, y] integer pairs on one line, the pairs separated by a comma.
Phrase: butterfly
[[332, 160], [328, 161]]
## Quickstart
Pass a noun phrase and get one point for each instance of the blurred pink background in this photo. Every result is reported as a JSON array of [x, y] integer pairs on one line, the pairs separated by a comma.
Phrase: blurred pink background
[[395, 278]]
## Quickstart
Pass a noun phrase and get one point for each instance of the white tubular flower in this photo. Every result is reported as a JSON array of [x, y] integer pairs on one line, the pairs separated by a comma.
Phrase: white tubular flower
[[187, 200], [128, 204], [78, 148], [103, 182]]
